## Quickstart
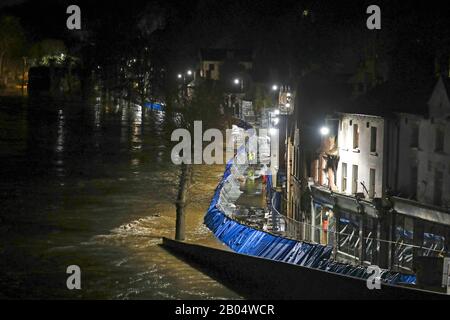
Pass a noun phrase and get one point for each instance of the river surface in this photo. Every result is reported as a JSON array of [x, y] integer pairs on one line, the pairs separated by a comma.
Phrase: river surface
[[93, 185]]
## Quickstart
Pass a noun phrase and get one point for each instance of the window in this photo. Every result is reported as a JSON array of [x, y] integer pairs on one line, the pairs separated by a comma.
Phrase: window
[[434, 239], [372, 184], [296, 163], [413, 184], [354, 179], [344, 178], [438, 187], [439, 140], [370, 243], [348, 228], [373, 139], [402, 249], [344, 134], [355, 136], [415, 136], [212, 66]]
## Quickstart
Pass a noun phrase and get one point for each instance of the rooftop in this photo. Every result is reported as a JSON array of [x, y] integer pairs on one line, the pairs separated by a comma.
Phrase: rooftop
[[226, 54]]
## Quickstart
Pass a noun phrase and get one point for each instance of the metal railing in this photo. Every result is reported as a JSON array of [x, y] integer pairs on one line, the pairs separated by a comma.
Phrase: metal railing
[[348, 243]]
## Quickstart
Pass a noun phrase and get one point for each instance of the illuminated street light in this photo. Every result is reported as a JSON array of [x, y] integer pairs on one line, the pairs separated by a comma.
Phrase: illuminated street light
[[324, 131], [189, 72], [180, 76], [274, 87], [236, 81]]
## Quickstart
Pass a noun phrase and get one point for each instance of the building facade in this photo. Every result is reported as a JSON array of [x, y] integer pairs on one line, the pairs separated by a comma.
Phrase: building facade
[[213, 61], [425, 151], [386, 203], [361, 152]]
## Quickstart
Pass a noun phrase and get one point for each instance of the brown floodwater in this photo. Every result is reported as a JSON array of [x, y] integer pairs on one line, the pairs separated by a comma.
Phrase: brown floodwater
[[93, 185]]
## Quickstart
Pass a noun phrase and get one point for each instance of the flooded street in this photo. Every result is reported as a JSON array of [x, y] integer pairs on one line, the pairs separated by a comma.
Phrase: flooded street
[[93, 186]]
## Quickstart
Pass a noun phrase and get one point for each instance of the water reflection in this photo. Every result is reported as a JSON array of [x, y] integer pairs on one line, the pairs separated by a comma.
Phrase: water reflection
[[116, 204]]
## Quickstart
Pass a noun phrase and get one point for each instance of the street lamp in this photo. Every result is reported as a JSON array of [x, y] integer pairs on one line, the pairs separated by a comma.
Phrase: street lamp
[[189, 72], [179, 76], [240, 82], [324, 131], [274, 87]]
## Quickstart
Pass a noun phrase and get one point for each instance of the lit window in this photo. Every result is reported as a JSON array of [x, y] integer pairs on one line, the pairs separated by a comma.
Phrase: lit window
[[344, 177]]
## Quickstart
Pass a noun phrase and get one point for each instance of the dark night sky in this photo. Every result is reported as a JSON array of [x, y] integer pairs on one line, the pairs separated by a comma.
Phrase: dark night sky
[[412, 33]]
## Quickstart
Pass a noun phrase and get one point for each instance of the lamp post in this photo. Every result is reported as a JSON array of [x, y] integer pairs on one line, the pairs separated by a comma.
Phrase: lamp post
[[183, 77], [239, 82], [324, 131]]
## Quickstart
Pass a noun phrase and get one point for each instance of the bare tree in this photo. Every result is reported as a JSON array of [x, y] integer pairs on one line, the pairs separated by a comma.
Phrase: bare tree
[[12, 38], [204, 106]]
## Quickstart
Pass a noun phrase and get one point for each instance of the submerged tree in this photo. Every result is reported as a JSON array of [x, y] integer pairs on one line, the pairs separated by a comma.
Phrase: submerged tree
[[12, 38], [203, 106], [47, 51]]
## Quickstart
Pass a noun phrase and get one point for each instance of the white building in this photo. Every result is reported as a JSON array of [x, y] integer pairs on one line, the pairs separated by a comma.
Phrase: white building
[[425, 151], [363, 150], [212, 60]]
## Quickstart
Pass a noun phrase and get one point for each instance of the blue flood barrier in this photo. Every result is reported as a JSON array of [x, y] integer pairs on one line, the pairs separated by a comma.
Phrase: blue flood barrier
[[246, 240], [154, 106]]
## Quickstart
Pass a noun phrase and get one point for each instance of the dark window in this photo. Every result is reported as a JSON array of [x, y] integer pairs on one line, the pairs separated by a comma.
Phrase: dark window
[[212, 66], [415, 136], [413, 185], [348, 228], [439, 145], [372, 184], [355, 136], [354, 179], [438, 187], [403, 250], [370, 242], [373, 139]]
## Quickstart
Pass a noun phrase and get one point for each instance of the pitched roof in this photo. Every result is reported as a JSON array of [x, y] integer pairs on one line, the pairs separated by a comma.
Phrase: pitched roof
[[225, 54], [389, 98]]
